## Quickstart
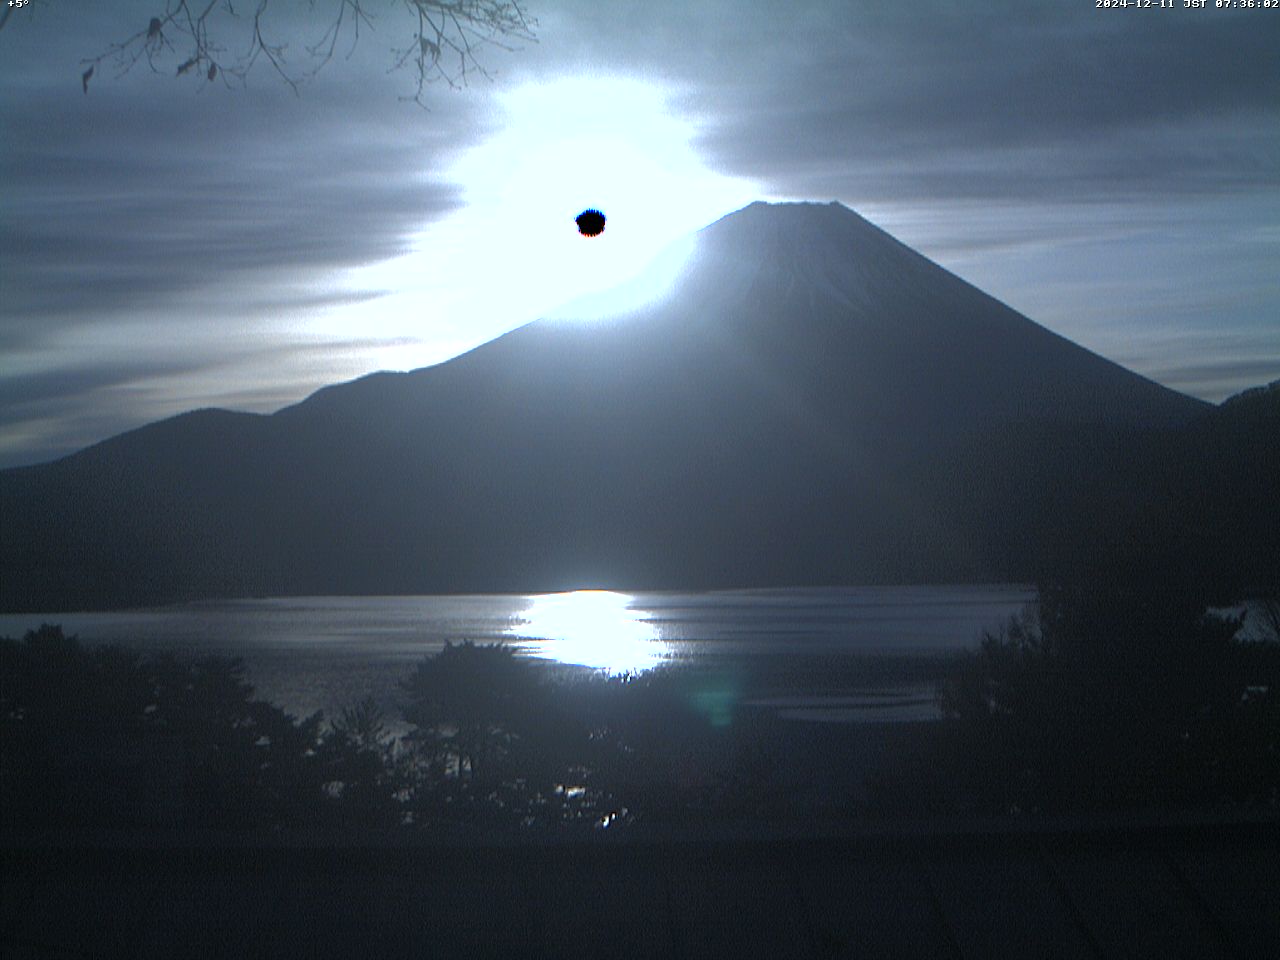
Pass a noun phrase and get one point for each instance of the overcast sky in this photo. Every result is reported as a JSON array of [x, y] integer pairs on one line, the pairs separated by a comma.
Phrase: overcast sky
[[171, 243]]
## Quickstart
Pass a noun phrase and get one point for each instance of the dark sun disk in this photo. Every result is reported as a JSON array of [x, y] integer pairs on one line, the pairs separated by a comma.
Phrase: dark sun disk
[[590, 223]]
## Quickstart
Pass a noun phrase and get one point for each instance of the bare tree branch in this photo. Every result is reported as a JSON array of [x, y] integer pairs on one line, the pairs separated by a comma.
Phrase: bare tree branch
[[444, 39]]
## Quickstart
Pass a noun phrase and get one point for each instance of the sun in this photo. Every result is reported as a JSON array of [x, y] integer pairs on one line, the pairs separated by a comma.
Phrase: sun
[[512, 251], [610, 144]]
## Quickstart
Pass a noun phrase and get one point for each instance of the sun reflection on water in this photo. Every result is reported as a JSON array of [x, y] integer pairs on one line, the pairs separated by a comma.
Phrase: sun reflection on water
[[590, 628]]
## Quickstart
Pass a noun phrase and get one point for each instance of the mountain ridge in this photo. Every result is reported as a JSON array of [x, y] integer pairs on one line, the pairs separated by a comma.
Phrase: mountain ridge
[[788, 415]]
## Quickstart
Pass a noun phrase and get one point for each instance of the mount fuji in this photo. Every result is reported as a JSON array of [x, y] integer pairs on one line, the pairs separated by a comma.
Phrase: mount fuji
[[811, 403]]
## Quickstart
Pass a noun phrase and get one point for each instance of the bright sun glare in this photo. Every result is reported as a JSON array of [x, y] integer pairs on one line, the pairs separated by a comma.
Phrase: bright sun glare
[[512, 252], [602, 142], [590, 628]]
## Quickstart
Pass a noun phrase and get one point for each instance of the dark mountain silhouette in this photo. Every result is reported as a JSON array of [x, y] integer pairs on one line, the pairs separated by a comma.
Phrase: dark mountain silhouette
[[814, 403], [1228, 482]]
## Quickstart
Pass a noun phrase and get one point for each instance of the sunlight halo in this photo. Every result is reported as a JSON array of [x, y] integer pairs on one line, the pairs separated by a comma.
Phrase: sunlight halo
[[606, 142], [512, 253]]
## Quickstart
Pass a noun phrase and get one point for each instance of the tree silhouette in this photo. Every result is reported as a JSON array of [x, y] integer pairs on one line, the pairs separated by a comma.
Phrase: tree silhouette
[[496, 741], [102, 736], [364, 771], [1116, 698], [438, 40], [471, 706]]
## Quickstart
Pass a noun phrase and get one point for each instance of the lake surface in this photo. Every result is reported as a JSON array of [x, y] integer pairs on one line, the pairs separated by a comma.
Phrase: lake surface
[[828, 654]]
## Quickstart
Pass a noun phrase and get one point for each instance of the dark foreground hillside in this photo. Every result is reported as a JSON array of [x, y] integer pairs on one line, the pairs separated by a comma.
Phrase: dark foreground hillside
[[1062, 890]]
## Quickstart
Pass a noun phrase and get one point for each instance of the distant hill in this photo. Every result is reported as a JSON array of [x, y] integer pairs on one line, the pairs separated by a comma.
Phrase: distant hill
[[1230, 482], [814, 403]]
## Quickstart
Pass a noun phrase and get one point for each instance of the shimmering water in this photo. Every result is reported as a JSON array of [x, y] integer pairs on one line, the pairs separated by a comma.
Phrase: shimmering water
[[804, 653]]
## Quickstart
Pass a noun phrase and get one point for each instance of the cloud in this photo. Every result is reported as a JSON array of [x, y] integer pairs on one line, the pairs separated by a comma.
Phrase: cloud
[[1217, 380], [952, 101], [157, 234], [101, 217], [50, 413], [24, 394]]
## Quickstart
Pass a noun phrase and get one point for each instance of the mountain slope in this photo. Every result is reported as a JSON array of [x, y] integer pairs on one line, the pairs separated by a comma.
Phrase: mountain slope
[[797, 411]]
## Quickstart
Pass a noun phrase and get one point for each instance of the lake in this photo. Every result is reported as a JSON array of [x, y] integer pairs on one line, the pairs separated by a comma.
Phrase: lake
[[861, 654]]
